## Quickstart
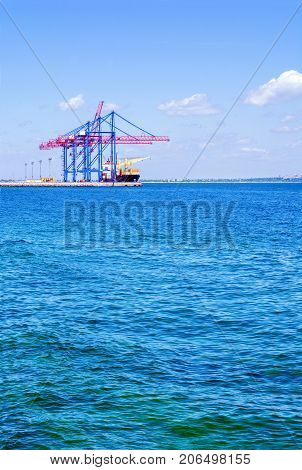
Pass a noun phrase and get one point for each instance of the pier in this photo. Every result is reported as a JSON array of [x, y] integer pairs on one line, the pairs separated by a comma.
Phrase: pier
[[67, 184]]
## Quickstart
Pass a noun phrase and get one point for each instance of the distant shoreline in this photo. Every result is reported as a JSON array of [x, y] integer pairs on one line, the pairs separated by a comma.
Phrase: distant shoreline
[[264, 181]]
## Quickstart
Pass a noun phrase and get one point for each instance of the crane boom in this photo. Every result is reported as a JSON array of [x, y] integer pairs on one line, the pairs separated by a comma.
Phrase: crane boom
[[89, 152]]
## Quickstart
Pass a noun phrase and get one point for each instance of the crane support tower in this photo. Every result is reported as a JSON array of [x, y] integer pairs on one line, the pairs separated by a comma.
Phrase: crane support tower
[[87, 148]]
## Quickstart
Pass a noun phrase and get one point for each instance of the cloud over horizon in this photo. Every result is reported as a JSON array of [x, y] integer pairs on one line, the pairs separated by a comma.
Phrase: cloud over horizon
[[110, 107], [74, 102], [288, 117], [197, 104], [285, 87], [287, 129], [254, 150]]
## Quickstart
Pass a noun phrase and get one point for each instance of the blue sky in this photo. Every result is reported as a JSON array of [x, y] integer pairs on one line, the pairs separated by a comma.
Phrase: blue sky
[[173, 67]]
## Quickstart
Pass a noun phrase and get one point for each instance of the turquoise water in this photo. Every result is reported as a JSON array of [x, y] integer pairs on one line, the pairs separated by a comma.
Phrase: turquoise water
[[147, 338]]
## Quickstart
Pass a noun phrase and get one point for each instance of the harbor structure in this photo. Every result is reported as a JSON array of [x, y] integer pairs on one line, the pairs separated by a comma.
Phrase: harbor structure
[[89, 152]]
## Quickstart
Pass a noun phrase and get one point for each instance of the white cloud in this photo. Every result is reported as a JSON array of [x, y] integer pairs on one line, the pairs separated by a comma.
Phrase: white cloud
[[197, 104], [288, 117], [254, 150], [244, 141], [293, 145], [287, 129], [282, 130], [110, 107], [288, 85], [75, 102]]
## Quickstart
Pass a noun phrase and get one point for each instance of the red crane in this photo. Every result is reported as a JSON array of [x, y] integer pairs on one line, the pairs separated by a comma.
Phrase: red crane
[[84, 147]]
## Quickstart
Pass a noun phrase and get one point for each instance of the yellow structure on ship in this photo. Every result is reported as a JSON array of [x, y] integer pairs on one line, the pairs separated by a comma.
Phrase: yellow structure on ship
[[125, 173]]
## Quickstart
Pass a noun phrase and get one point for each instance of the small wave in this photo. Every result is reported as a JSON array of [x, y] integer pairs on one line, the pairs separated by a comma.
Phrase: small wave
[[20, 241]]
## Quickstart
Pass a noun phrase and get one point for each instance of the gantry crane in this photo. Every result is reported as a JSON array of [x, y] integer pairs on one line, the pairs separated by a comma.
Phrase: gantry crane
[[89, 146]]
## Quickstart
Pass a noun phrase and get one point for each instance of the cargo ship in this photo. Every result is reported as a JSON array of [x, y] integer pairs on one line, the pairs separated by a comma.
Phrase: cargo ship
[[124, 171]]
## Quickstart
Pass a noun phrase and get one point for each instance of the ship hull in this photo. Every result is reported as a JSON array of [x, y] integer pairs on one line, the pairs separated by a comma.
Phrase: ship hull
[[127, 178]]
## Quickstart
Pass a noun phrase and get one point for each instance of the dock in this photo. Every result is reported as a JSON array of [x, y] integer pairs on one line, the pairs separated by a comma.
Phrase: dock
[[58, 184]]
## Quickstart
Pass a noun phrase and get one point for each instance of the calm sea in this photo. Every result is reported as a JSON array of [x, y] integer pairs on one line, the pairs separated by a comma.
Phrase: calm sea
[[146, 318]]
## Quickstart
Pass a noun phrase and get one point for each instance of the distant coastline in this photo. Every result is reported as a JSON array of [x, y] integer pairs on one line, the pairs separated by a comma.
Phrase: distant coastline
[[226, 180]]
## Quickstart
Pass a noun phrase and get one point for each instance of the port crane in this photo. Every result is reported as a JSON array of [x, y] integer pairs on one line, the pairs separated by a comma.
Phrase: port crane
[[86, 148]]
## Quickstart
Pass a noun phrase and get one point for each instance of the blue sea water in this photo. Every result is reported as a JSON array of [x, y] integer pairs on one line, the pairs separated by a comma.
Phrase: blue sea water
[[114, 339]]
